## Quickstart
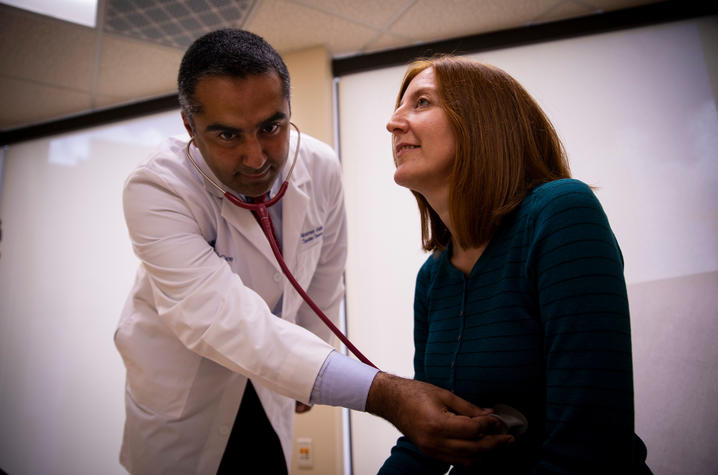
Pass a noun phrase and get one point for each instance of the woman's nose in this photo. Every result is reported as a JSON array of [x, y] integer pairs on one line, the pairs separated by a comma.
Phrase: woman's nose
[[397, 122]]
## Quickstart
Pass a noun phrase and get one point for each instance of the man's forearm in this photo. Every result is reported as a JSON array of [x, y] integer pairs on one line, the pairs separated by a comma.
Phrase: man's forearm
[[384, 398]]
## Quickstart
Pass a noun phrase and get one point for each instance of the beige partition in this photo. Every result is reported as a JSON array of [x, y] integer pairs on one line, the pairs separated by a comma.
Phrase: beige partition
[[310, 72]]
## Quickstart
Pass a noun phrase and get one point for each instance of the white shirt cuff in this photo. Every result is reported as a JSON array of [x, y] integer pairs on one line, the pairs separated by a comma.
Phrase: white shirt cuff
[[343, 381]]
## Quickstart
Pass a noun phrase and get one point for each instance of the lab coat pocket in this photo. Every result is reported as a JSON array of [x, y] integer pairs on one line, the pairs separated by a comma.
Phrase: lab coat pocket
[[160, 370]]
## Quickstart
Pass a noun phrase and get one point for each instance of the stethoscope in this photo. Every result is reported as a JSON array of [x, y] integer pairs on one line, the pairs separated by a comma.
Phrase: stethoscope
[[260, 211]]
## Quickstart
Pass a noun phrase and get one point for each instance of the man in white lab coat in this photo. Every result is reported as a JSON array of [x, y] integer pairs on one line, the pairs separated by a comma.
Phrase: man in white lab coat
[[219, 348]]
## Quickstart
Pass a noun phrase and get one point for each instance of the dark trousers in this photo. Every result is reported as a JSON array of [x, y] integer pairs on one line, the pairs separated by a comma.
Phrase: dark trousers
[[253, 446]]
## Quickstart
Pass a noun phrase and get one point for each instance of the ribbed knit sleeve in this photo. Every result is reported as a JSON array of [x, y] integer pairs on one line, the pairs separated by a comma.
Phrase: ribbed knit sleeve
[[583, 308], [421, 324]]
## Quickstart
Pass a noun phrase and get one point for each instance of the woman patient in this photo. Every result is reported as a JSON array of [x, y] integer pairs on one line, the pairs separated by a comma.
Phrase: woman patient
[[523, 300]]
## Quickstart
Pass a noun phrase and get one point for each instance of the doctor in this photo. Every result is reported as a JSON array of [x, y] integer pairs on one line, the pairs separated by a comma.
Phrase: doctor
[[219, 348]]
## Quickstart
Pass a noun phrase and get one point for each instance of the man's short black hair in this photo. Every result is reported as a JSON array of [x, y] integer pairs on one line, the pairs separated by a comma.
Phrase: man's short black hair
[[228, 52]]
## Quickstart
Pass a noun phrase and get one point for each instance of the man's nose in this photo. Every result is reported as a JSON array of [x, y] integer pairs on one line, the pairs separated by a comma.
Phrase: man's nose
[[252, 153]]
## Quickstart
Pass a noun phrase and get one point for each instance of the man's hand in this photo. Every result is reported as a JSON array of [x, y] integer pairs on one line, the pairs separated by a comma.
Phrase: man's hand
[[438, 422]]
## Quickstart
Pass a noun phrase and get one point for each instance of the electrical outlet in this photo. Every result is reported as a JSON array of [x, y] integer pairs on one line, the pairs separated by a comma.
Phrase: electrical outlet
[[305, 455]]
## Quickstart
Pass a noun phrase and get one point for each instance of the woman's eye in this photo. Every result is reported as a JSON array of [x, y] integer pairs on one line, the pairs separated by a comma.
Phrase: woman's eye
[[422, 101]]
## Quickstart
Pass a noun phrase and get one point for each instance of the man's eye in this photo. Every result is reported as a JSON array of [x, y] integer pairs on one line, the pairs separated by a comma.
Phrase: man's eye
[[271, 128], [226, 136]]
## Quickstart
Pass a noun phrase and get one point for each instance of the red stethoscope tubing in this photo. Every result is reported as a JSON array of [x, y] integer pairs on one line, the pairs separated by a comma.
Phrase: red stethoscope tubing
[[260, 211], [265, 221]]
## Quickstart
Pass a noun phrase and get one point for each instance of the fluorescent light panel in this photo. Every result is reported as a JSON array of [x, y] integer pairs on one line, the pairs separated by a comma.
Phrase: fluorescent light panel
[[83, 12]]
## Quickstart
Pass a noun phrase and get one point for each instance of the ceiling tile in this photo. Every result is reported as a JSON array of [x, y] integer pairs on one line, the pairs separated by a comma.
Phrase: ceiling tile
[[132, 70], [372, 13], [577, 8], [46, 50], [26, 102], [607, 5], [388, 41], [107, 102], [565, 9], [174, 23], [289, 26], [429, 20]]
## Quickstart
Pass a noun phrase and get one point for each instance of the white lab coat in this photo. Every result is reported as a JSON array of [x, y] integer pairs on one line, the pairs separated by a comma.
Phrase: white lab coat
[[198, 322]]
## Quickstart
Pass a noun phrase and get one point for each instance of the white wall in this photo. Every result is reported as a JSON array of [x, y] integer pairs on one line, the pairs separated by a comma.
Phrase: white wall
[[636, 110], [66, 266]]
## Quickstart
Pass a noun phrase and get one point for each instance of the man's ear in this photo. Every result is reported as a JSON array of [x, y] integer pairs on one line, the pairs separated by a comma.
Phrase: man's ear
[[187, 124]]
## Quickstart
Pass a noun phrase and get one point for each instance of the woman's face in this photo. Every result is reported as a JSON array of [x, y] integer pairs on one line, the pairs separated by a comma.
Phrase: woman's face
[[423, 141]]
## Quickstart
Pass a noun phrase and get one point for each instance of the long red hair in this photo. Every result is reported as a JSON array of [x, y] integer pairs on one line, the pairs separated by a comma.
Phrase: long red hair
[[505, 147]]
